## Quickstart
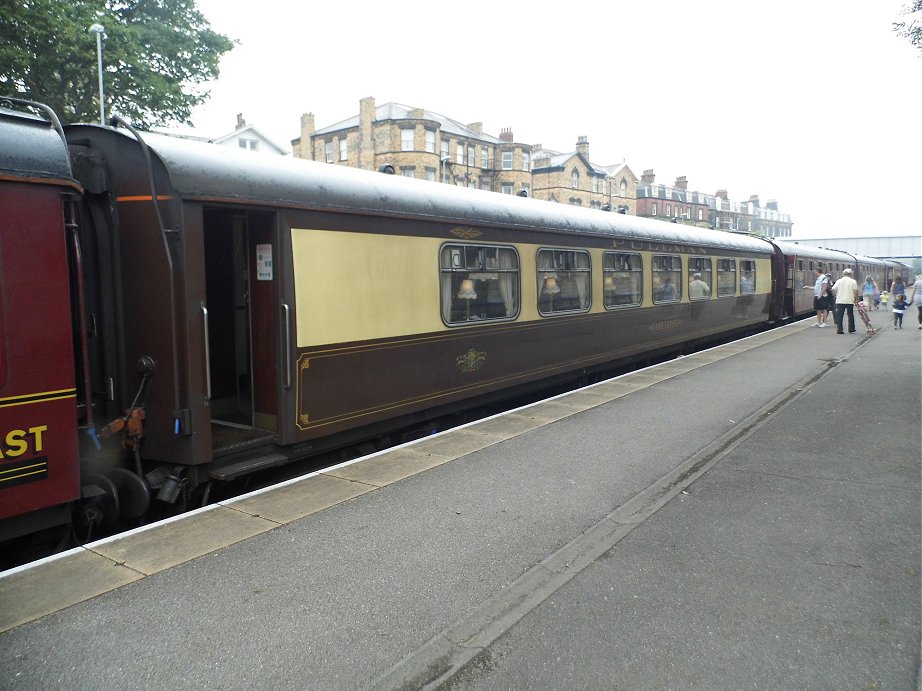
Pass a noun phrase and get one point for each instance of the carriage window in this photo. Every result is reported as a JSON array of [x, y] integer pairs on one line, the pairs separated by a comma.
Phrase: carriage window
[[479, 283], [622, 279], [700, 278], [563, 281], [667, 277], [747, 276], [726, 277]]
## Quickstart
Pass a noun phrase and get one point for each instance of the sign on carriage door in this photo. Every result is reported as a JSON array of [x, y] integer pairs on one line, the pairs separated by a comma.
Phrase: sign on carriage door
[[242, 309]]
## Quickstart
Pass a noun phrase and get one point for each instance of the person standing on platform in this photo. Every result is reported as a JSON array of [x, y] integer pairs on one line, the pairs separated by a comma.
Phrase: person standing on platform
[[916, 297], [899, 306], [869, 292], [897, 288], [846, 291], [819, 297]]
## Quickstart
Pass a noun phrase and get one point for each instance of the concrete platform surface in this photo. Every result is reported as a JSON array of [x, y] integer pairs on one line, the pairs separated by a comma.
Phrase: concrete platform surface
[[745, 517]]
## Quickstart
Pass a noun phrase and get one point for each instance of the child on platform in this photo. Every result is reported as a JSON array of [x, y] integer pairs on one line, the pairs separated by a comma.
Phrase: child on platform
[[899, 307], [884, 297]]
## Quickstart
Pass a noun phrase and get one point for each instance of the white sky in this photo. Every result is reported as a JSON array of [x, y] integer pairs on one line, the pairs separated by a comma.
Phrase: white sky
[[802, 101]]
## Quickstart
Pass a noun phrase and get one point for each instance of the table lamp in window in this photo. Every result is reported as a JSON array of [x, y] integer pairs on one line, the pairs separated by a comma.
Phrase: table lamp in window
[[551, 288], [467, 294]]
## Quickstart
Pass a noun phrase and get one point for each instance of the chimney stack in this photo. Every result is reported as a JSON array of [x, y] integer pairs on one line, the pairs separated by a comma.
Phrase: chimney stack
[[506, 135], [582, 145], [648, 177], [681, 183]]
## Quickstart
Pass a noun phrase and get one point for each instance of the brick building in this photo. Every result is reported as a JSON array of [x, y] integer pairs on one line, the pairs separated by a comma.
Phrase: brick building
[[681, 205]]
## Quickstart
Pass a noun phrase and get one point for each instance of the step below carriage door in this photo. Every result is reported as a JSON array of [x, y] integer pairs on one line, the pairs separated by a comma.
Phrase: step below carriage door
[[242, 312]]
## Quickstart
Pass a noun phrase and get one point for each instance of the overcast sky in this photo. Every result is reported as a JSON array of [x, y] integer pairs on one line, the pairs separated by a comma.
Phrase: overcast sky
[[802, 101]]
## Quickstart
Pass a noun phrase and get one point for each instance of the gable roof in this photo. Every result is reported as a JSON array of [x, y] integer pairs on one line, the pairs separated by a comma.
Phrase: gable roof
[[559, 160], [254, 134]]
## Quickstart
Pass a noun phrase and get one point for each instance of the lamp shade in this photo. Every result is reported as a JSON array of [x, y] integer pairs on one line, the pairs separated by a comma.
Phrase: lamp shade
[[550, 286], [467, 290]]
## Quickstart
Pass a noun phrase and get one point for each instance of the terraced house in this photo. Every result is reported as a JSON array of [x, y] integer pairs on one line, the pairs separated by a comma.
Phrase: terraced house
[[419, 144], [424, 145]]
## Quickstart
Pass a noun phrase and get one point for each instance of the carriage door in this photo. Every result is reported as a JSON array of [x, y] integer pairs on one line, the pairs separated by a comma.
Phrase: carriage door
[[240, 288]]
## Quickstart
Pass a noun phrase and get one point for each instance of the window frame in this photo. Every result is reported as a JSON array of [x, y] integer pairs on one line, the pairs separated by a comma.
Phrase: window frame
[[472, 259], [695, 266], [543, 276], [609, 293], [407, 138], [655, 270], [722, 285], [748, 266]]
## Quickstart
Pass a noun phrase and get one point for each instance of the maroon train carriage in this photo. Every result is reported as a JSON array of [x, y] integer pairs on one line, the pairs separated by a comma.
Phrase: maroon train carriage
[[800, 262], [39, 471]]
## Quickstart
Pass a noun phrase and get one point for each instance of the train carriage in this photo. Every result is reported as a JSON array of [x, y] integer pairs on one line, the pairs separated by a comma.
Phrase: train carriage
[[205, 313], [39, 471], [289, 305], [800, 261]]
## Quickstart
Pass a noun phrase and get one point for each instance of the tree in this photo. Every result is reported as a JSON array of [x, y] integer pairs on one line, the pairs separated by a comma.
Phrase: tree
[[156, 56], [913, 28]]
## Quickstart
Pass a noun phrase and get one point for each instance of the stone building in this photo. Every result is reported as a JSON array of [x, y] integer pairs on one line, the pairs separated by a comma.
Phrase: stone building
[[424, 145], [419, 144], [571, 178]]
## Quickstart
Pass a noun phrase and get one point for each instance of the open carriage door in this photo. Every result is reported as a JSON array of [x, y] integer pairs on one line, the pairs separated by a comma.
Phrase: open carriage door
[[242, 314]]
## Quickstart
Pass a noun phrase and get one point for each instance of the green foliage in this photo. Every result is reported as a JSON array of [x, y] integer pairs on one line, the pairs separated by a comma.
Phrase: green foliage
[[913, 28], [156, 56]]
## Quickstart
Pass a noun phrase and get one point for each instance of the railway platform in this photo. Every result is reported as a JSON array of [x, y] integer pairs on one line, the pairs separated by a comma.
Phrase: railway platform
[[745, 517]]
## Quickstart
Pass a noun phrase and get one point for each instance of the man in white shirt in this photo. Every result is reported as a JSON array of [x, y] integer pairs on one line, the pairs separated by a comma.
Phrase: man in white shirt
[[846, 292]]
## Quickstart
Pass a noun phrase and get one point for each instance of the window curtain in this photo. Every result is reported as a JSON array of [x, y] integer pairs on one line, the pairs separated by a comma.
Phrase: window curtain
[[507, 281], [582, 279]]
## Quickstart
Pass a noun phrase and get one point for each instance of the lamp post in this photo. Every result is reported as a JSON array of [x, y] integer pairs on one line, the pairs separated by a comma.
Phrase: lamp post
[[99, 30]]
